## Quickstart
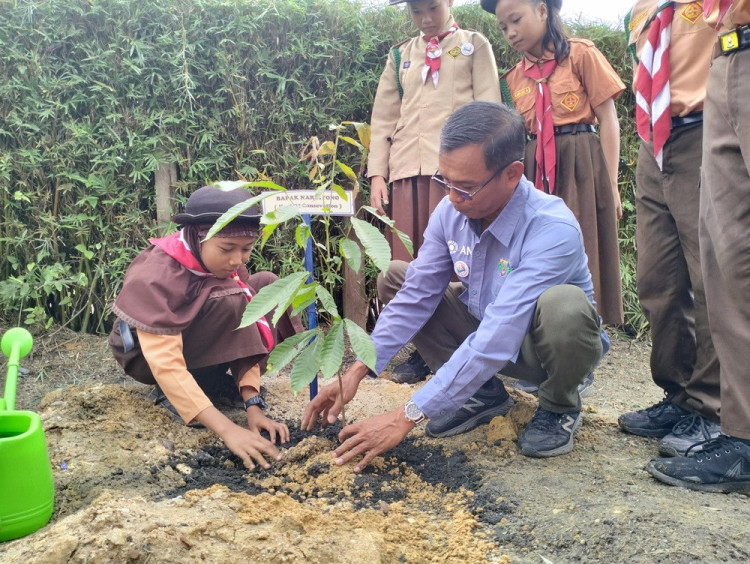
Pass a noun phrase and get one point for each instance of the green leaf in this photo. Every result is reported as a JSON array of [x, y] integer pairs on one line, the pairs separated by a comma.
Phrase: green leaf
[[286, 351], [280, 215], [340, 191], [352, 141], [361, 343], [276, 295], [333, 350], [350, 250], [301, 235], [405, 239], [307, 365], [233, 212], [327, 148], [374, 242], [346, 169], [304, 298], [327, 301]]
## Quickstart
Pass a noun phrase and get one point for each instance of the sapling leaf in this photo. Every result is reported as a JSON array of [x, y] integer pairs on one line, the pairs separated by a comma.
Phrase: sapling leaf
[[327, 301], [352, 253], [307, 365], [392, 224], [301, 235], [340, 191], [333, 350], [286, 351], [346, 169], [272, 296], [327, 148], [374, 242], [361, 343], [233, 212], [351, 141]]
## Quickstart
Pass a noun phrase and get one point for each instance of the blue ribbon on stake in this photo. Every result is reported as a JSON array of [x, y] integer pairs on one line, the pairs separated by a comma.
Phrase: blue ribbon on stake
[[312, 314]]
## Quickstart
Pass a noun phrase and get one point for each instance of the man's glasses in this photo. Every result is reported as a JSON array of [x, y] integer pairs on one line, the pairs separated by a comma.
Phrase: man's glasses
[[467, 194]]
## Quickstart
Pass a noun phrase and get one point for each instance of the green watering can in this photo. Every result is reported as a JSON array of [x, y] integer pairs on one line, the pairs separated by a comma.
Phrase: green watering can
[[27, 490]]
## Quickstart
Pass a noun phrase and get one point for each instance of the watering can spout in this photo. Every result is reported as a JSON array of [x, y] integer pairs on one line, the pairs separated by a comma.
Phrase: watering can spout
[[16, 344]]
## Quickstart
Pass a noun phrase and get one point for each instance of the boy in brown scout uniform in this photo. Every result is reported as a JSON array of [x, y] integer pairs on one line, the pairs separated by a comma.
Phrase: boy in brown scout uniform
[[669, 280], [426, 78]]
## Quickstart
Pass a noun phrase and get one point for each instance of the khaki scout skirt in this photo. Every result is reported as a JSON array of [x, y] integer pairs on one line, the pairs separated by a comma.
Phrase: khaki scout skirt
[[582, 181]]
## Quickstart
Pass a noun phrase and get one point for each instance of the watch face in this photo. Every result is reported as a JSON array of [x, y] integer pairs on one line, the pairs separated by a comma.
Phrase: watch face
[[412, 411]]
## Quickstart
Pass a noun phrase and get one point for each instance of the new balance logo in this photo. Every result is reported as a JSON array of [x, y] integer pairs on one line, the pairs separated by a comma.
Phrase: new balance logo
[[569, 423], [473, 405]]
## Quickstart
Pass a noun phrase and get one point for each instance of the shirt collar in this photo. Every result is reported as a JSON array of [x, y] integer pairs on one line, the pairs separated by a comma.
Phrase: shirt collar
[[448, 25], [505, 224], [528, 63]]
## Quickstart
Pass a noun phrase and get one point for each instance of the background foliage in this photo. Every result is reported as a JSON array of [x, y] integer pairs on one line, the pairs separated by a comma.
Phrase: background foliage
[[96, 94]]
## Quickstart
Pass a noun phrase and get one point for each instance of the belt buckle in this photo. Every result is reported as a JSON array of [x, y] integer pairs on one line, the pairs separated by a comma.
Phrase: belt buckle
[[729, 42]]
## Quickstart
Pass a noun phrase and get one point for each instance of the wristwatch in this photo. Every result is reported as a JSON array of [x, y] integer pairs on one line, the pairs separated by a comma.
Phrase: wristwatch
[[413, 413], [256, 400]]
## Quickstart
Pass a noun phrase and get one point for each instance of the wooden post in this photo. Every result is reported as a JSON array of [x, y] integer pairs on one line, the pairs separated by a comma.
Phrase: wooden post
[[355, 295], [165, 177]]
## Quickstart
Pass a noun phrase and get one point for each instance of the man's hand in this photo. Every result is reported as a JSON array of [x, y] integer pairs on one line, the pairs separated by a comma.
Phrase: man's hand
[[378, 193], [372, 437], [328, 400], [257, 421]]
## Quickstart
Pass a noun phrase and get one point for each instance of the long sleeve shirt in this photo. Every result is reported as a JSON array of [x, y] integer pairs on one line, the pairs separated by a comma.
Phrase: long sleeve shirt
[[534, 244]]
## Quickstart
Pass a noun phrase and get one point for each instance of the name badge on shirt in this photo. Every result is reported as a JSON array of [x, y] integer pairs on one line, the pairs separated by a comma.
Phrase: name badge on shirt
[[461, 269]]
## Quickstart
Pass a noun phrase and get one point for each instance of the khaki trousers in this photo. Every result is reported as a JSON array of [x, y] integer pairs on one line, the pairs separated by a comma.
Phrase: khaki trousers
[[725, 232], [670, 286], [562, 347]]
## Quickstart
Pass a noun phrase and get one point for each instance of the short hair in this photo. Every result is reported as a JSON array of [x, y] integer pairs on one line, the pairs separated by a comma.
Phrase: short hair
[[499, 130]]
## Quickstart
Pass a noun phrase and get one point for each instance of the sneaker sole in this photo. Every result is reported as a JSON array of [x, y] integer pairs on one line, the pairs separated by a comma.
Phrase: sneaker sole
[[562, 449], [478, 419], [724, 487], [648, 433]]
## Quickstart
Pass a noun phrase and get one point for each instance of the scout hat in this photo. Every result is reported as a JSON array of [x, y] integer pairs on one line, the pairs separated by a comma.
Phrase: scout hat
[[490, 5], [394, 2], [209, 203]]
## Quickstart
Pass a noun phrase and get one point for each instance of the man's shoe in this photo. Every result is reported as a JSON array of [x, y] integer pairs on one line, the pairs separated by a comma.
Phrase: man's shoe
[[585, 388], [413, 370], [490, 401], [549, 433], [655, 421], [691, 432], [722, 466]]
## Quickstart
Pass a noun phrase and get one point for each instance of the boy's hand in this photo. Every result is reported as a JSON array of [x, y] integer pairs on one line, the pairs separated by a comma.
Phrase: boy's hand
[[257, 422]]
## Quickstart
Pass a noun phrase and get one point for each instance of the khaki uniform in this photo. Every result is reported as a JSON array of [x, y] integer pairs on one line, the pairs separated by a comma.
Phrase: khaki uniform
[[405, 137], [583, 81], [725, 222], [669, 280]]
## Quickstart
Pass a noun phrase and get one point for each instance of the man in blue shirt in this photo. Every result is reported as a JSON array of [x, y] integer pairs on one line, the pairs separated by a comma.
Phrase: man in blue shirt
[[523, 307]]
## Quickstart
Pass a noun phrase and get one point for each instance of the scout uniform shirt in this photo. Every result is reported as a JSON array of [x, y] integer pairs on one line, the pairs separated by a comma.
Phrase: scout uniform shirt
[[580, 83], [534, 244], [738, 14], [406, 132], [690, 49]]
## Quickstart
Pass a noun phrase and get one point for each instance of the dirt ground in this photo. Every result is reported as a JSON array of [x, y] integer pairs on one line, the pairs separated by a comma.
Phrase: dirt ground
[[133, 485]]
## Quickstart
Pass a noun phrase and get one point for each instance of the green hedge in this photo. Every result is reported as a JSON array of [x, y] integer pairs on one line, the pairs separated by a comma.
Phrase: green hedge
[[95, 95]]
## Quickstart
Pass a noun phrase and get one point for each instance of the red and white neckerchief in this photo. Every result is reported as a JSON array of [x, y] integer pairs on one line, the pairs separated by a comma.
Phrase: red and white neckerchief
[[178, 248], [546, 156], [708, 7], [652, 97], [432, 54]]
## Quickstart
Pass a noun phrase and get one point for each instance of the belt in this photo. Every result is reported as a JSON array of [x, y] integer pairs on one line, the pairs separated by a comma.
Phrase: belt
[[690, 119], [733, 40], [571, 128]]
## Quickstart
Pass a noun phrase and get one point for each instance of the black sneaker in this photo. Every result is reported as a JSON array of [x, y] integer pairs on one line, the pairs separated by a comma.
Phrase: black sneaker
[[690, 433], [655, 421], [722, 466], [490, 401], [549, 433], [413, 370], [585, 388]]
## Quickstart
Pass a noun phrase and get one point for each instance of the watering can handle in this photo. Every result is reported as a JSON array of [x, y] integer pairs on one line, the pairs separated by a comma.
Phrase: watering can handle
[[16, 344]]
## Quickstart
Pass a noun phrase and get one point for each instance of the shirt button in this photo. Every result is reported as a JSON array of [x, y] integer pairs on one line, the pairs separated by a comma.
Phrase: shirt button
[[473, 292]]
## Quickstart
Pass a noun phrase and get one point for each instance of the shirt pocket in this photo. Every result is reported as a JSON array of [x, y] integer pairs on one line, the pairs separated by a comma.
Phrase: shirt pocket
[[567, 95]]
